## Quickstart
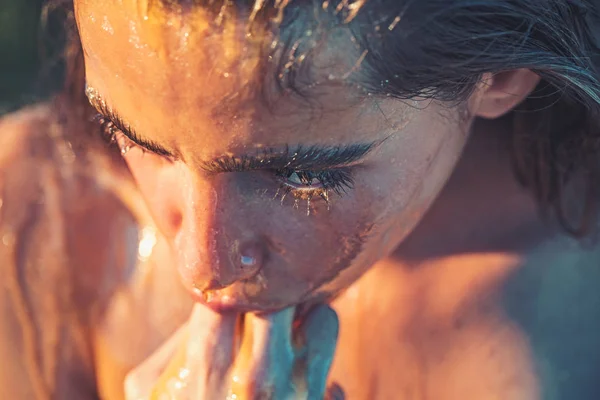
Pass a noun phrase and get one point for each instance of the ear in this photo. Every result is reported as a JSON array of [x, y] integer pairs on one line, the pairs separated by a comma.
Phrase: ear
[[499, 93]]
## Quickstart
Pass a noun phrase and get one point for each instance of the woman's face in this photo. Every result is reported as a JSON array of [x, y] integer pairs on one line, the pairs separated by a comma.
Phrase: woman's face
[[268, 198]]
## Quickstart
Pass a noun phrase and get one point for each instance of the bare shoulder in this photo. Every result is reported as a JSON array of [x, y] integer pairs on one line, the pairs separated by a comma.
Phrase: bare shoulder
[[555, 299], [17, 128], [55, 193], [43, 163], [26, 116], [66, 240]]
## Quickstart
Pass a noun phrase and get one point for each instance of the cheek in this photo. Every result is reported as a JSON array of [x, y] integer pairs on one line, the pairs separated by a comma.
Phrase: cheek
[[327, 251], [311, 251], [391, 199], [420, 165]]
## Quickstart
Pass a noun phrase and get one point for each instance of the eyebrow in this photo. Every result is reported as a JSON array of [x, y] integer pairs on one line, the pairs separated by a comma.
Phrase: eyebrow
[[314, 157], [298, 157]]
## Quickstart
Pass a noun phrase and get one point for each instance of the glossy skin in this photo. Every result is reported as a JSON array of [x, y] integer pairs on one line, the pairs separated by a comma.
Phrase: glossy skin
[[482, 288], [209, 218], [215, 221]]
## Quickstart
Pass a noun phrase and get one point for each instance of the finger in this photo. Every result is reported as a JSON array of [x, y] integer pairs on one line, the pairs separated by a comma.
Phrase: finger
[[209, 352], [264, 365], [320, 332], [140, 381]]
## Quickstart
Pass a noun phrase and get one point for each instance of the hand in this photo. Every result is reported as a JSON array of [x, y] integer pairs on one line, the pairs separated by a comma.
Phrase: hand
[[278, 358]]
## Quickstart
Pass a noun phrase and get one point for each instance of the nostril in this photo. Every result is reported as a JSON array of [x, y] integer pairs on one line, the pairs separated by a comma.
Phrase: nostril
[[213, 284], [248, 261], [250, 258]]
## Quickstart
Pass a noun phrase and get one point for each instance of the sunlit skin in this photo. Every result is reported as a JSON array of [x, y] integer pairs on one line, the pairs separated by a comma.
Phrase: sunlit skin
[[197, 96], [420, 316], [208, 216]]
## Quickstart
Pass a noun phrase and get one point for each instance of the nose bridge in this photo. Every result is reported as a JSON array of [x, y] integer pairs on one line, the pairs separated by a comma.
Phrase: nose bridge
[[219, 242]]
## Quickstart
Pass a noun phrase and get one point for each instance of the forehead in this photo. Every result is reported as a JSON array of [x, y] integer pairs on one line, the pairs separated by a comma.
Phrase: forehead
[[169, 52], [184, 70]]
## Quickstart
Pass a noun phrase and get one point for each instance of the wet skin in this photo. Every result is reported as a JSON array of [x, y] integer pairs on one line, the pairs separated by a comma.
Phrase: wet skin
[[194, 104], [196, 96], [245, 237], [238, 247], [424, 321]]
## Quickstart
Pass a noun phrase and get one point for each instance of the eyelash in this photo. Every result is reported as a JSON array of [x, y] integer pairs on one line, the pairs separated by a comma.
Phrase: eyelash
[[112, 135], [339, 180]]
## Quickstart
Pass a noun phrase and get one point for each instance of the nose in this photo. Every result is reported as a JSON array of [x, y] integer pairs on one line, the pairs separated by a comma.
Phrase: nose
[[246, 259], [219, 242], [250, 256], [222, 264]]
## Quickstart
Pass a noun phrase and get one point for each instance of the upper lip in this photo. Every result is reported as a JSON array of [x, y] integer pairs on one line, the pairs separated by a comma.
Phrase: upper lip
[[225, 304]]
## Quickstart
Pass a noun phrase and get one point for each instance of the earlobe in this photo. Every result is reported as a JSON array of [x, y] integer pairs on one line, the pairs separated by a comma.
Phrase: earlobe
[[499, 93]]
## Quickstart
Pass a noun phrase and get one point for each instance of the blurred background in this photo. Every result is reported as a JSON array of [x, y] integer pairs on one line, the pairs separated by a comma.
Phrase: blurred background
[[20, 53]]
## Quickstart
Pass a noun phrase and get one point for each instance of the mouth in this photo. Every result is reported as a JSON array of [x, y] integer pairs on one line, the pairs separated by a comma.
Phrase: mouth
[[226, 304]]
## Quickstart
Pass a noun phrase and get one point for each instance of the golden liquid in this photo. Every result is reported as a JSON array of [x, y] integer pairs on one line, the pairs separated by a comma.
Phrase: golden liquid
[[171, 383], [174, 380]]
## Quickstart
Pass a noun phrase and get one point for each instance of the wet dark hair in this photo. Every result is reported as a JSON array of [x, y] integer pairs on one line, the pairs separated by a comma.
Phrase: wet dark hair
[[439, 49]]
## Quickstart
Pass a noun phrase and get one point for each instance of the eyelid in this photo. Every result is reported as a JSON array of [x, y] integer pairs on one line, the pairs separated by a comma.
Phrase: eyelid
[[146, 146], [330, 179], [311, 158], [118, 132], [337, 180], [107, 113]]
